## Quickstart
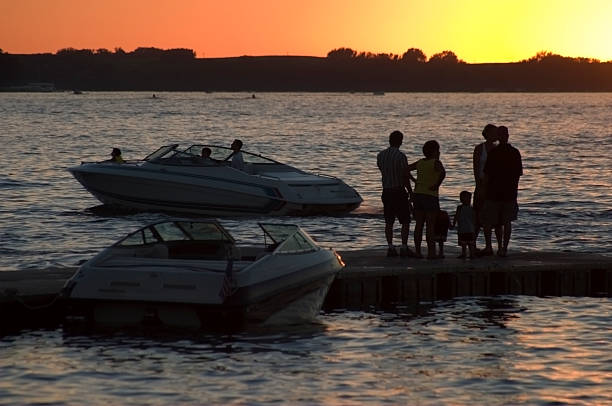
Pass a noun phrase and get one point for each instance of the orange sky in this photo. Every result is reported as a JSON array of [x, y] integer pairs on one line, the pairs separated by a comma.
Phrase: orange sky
[[476, 30]]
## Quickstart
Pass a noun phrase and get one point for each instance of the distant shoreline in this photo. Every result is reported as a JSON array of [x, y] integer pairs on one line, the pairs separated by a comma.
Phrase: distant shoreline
[[178, 70]]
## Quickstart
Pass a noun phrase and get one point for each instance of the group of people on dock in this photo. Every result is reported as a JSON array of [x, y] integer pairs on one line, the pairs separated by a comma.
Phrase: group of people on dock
[[497, 169]]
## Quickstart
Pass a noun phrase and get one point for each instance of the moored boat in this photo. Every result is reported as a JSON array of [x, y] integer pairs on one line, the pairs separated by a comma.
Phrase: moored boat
[[180, 180], [192, 272]]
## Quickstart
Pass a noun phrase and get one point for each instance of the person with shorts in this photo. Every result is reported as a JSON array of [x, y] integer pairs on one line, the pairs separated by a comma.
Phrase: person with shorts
[[430, 174], [441, 231], [465, 223], [502, 173], [479, 160], [393, 166]]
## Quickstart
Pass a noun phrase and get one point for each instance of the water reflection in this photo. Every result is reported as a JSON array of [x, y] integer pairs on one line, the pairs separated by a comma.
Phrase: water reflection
[[501, 350]]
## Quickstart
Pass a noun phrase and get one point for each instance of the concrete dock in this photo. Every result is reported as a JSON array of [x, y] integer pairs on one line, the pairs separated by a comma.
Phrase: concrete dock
[[370, 279]]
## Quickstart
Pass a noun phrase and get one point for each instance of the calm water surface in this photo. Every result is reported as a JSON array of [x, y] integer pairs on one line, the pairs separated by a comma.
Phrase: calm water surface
[[502, 351], [46, 217], [510, 350]]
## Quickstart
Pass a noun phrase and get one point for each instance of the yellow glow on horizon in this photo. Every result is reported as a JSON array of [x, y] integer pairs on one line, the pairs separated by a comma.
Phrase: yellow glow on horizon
[[475, 30]]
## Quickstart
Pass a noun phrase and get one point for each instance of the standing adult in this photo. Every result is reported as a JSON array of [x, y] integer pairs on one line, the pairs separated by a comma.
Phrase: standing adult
[[479, 160], [393, 166], [502, 173], [430, 174]]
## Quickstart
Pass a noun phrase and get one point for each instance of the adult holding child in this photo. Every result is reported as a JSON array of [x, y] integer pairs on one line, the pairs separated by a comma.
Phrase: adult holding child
[[430, 174], [479, 160], [502, 173]]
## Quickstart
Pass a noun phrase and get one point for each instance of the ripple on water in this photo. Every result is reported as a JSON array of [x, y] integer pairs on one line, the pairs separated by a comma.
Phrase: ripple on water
[[504, 350]]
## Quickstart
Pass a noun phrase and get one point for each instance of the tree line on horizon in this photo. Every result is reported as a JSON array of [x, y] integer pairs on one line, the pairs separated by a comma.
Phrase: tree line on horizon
[[343, 69]]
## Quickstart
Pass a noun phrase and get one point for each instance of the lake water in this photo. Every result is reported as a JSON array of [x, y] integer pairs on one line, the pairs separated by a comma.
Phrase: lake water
[[496, 351]]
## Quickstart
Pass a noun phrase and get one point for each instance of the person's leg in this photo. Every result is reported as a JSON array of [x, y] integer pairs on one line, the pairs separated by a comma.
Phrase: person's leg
[[507, 234], [430, 220], [404, 250], [419, 221], [488, 250], [404, 218], [499, 233], [405, 233], [441, 249], [472, 247], [509, 213], [478, 208], [389, 233], [462, 251], [390, 213], [489, 219]]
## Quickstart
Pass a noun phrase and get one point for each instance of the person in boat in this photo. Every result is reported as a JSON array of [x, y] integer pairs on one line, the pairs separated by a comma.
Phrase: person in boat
[[236, 156], [116, 156], [206, 153], [205, 156], [430, 174], [393, 166], [479, 159]]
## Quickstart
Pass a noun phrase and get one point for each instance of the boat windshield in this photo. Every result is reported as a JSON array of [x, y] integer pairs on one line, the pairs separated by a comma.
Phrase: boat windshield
[[223, 153], [177, 231], [161, 152], [288, 238]]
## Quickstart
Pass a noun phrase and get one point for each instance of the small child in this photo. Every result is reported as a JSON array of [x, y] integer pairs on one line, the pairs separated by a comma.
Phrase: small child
[[465, 221], [441, 231]]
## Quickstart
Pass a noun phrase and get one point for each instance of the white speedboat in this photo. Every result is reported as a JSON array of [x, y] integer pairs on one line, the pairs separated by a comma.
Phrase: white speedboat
[[179, 180], [191, 272]]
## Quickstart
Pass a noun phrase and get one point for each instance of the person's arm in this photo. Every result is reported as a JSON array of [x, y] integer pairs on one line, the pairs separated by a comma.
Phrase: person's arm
[[455, 216], [439, 168], [476, 164], [406, 179]]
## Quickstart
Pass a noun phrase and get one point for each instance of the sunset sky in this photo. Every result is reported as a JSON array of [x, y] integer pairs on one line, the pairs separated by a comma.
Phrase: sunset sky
[[476, 30]]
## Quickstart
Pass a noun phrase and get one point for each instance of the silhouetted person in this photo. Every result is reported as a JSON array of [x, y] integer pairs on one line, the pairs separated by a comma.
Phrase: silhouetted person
[[441, 231], [206, 153], [480, 157], [502, 173], [393, 166], [430, 174], [464, 221], [237, 160], [116, 156]]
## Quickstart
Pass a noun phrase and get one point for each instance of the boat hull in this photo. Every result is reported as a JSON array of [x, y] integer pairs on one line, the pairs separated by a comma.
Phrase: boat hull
[[214, 193], [295, 305]]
